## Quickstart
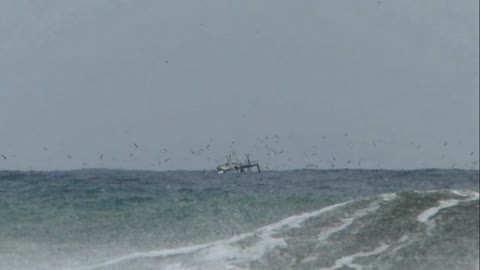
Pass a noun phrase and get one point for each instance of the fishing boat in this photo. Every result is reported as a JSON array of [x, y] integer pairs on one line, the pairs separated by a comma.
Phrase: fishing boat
[[236, 166]]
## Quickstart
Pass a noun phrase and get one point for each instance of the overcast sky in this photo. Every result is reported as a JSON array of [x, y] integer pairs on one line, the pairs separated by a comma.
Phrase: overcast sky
[[356, 84]]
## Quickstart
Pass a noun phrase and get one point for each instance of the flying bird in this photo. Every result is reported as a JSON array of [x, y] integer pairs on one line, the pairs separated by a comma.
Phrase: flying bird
[[4, 157]]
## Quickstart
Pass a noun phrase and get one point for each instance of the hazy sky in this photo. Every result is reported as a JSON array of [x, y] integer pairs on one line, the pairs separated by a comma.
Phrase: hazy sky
[[369, 84]]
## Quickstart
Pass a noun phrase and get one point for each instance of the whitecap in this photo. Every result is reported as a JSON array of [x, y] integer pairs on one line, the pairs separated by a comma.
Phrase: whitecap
[[425, 216], [222, 252], [348, 260], [346, 222]]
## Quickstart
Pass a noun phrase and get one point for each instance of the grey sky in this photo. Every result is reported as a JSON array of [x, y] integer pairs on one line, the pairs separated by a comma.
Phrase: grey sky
[[82, 78]]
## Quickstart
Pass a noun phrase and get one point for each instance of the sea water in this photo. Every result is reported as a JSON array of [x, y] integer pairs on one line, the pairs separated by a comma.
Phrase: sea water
[[301, 219]]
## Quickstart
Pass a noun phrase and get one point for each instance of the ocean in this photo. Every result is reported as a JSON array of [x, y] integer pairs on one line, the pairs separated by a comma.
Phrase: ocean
[[299, 219]]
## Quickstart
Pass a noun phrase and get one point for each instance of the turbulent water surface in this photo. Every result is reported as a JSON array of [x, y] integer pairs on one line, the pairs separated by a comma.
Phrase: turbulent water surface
[[305, 219]]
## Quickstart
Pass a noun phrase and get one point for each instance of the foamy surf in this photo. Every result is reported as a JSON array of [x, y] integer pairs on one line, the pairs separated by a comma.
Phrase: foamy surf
[[348, 260], [110, 224], [222, 250], [346, 222], [246, 250]]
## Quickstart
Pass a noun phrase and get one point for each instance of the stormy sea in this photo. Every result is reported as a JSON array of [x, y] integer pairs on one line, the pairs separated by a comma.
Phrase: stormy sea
[[299, 219]]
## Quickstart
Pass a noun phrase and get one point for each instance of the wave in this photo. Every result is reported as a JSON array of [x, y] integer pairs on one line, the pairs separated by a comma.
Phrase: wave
[[381, 232]]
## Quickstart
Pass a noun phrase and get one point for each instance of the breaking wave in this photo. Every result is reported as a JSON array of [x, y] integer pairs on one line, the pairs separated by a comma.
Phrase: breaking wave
[[405, 230]]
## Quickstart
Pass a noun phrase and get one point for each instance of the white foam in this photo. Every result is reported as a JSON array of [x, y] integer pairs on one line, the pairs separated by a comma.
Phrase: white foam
[[425, 216], [388, 196], [325, 234], [296, 221], [222, 251], [228, 254], [472, 195], [404, 242], [148, 254], [348, 260], [346, 222]]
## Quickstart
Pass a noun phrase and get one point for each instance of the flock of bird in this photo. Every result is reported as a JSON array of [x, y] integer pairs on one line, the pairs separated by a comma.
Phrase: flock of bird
[[269, 146]]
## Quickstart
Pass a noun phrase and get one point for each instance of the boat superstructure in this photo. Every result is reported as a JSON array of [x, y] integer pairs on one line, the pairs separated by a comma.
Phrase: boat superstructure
[[236, 166]]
